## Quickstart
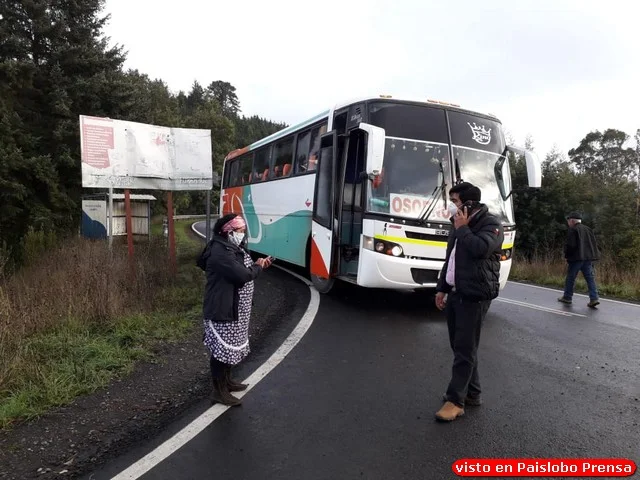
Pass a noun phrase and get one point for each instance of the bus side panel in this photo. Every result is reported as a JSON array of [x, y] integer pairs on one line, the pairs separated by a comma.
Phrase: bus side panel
[[278, 215]]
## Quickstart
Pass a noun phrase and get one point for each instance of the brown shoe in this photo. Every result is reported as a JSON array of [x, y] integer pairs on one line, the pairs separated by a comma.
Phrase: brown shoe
[[221, 394], [449, 412]]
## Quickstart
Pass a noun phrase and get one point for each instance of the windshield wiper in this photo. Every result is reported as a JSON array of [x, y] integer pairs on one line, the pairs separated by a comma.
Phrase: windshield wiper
[[432, 205], [428, 209], [425, 209]]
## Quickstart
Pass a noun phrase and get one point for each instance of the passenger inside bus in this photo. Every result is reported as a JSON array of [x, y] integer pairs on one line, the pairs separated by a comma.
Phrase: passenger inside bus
[[309, 163]]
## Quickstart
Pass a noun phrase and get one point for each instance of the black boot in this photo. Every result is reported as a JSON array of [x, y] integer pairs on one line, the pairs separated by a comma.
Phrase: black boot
[[232, 385], [220, 388]]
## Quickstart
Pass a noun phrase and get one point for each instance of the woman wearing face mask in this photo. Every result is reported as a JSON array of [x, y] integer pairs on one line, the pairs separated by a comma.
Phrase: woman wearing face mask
[[228, 298]]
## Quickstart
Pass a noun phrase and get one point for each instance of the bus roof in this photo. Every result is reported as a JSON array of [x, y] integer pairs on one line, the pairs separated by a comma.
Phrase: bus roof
[[286, 131]]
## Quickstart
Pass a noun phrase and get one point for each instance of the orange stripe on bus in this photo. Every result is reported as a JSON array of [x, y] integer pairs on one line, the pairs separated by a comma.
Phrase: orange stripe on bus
[[317, 262], [231, 199]]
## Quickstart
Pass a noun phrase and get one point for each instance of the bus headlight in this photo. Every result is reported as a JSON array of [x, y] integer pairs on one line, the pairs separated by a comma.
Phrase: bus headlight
[[382, 246], [367, 242], [506, 254]]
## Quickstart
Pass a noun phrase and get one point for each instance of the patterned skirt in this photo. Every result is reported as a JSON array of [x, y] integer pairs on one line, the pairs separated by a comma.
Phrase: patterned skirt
[[229, 342]]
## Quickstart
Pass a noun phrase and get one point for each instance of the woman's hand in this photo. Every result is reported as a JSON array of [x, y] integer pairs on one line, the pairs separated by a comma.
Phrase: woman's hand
[[264, 262]]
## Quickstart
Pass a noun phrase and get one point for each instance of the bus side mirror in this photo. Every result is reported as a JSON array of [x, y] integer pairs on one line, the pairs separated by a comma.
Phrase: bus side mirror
[[375, 148], [534, 168]]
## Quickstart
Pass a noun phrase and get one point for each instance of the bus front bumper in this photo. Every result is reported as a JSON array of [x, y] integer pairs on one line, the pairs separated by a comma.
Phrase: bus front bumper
[[377, 270], [384, 271]]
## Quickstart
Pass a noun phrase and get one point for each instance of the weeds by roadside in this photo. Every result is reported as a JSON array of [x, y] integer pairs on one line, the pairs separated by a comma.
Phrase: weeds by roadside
[[75, 317], [612, 279]]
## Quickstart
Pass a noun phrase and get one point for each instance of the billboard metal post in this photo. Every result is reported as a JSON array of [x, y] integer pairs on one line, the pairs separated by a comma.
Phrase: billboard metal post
[[208, 227]]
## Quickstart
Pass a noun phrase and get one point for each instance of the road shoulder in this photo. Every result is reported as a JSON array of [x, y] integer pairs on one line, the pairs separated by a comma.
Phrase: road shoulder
[[70, 441]]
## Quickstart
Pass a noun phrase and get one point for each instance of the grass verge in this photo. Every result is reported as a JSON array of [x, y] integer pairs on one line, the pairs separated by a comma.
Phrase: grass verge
[[612, 280], [77, 318]]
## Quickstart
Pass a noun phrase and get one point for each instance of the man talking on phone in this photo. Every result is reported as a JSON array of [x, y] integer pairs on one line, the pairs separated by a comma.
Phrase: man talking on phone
[[469, 280]]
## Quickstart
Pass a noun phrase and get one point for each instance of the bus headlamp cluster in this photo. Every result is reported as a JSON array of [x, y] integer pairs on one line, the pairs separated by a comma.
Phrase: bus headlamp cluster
[[383, 246], [506, 254]]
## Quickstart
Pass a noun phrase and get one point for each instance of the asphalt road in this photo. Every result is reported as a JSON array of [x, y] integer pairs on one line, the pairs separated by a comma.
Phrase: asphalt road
[[356, 397]]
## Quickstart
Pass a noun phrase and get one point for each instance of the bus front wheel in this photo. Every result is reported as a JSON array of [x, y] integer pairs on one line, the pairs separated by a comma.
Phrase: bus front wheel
[[323, 285]]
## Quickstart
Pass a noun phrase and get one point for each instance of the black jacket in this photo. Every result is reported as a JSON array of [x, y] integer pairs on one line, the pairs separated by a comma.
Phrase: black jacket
[[226, 274], [478, 251], [581, 245]]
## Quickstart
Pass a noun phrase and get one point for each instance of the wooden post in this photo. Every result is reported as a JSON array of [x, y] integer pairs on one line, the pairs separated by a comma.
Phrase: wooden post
[[172, 237], [129, 223], [129, 220], [110, 219]]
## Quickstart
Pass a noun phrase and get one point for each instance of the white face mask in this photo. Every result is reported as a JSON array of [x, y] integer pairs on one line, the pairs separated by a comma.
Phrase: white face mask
[[452, 209], [236, 238]]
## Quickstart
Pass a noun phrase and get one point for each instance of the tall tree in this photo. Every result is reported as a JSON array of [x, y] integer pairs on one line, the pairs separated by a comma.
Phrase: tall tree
[[224, 94], [250, 129], [55, 65], [603, 155], [194, 100], [150, 101]]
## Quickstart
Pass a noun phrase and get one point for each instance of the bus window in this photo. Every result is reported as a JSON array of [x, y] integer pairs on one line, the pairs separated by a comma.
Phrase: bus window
[[245, 169], [261, 165], [226, 174], [302, 151], [283, 155], [233, 173], [316, 133]]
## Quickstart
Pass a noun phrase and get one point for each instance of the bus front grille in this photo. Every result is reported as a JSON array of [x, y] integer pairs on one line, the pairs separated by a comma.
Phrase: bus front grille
[[422, 275]]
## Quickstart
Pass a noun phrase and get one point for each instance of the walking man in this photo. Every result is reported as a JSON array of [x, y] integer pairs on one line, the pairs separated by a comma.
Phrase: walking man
[[580, 250], [469, 280]]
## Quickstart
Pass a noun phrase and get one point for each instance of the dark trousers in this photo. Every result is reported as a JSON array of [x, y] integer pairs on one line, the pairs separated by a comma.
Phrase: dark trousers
[[464, 320], [573, 268]]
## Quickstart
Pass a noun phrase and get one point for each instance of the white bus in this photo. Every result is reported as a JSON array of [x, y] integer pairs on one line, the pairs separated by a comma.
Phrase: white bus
[[359, 193]]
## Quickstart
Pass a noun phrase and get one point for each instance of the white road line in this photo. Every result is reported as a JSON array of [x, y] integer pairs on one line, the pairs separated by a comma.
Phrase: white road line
[[575, 294], [538, 307], [193, 227], [171, 445]]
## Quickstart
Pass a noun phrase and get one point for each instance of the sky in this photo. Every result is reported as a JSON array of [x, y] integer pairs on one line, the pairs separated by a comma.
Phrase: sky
[[552, 69]]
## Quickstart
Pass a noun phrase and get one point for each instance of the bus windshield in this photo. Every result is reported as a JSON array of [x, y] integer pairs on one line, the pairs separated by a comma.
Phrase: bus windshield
[[414, 176], [478, 143], [479, 168], [416, 160]]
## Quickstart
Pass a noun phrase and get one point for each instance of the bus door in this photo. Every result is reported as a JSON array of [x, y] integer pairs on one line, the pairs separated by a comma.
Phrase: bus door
[[350, 203], [323, 215]]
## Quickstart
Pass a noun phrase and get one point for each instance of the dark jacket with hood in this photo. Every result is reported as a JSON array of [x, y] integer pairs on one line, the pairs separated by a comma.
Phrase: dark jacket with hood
[[581, 245], [226, 274], [477, 262]]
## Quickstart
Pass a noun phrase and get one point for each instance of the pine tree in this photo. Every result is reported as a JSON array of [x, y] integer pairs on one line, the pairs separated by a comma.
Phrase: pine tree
[[54, 65]]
